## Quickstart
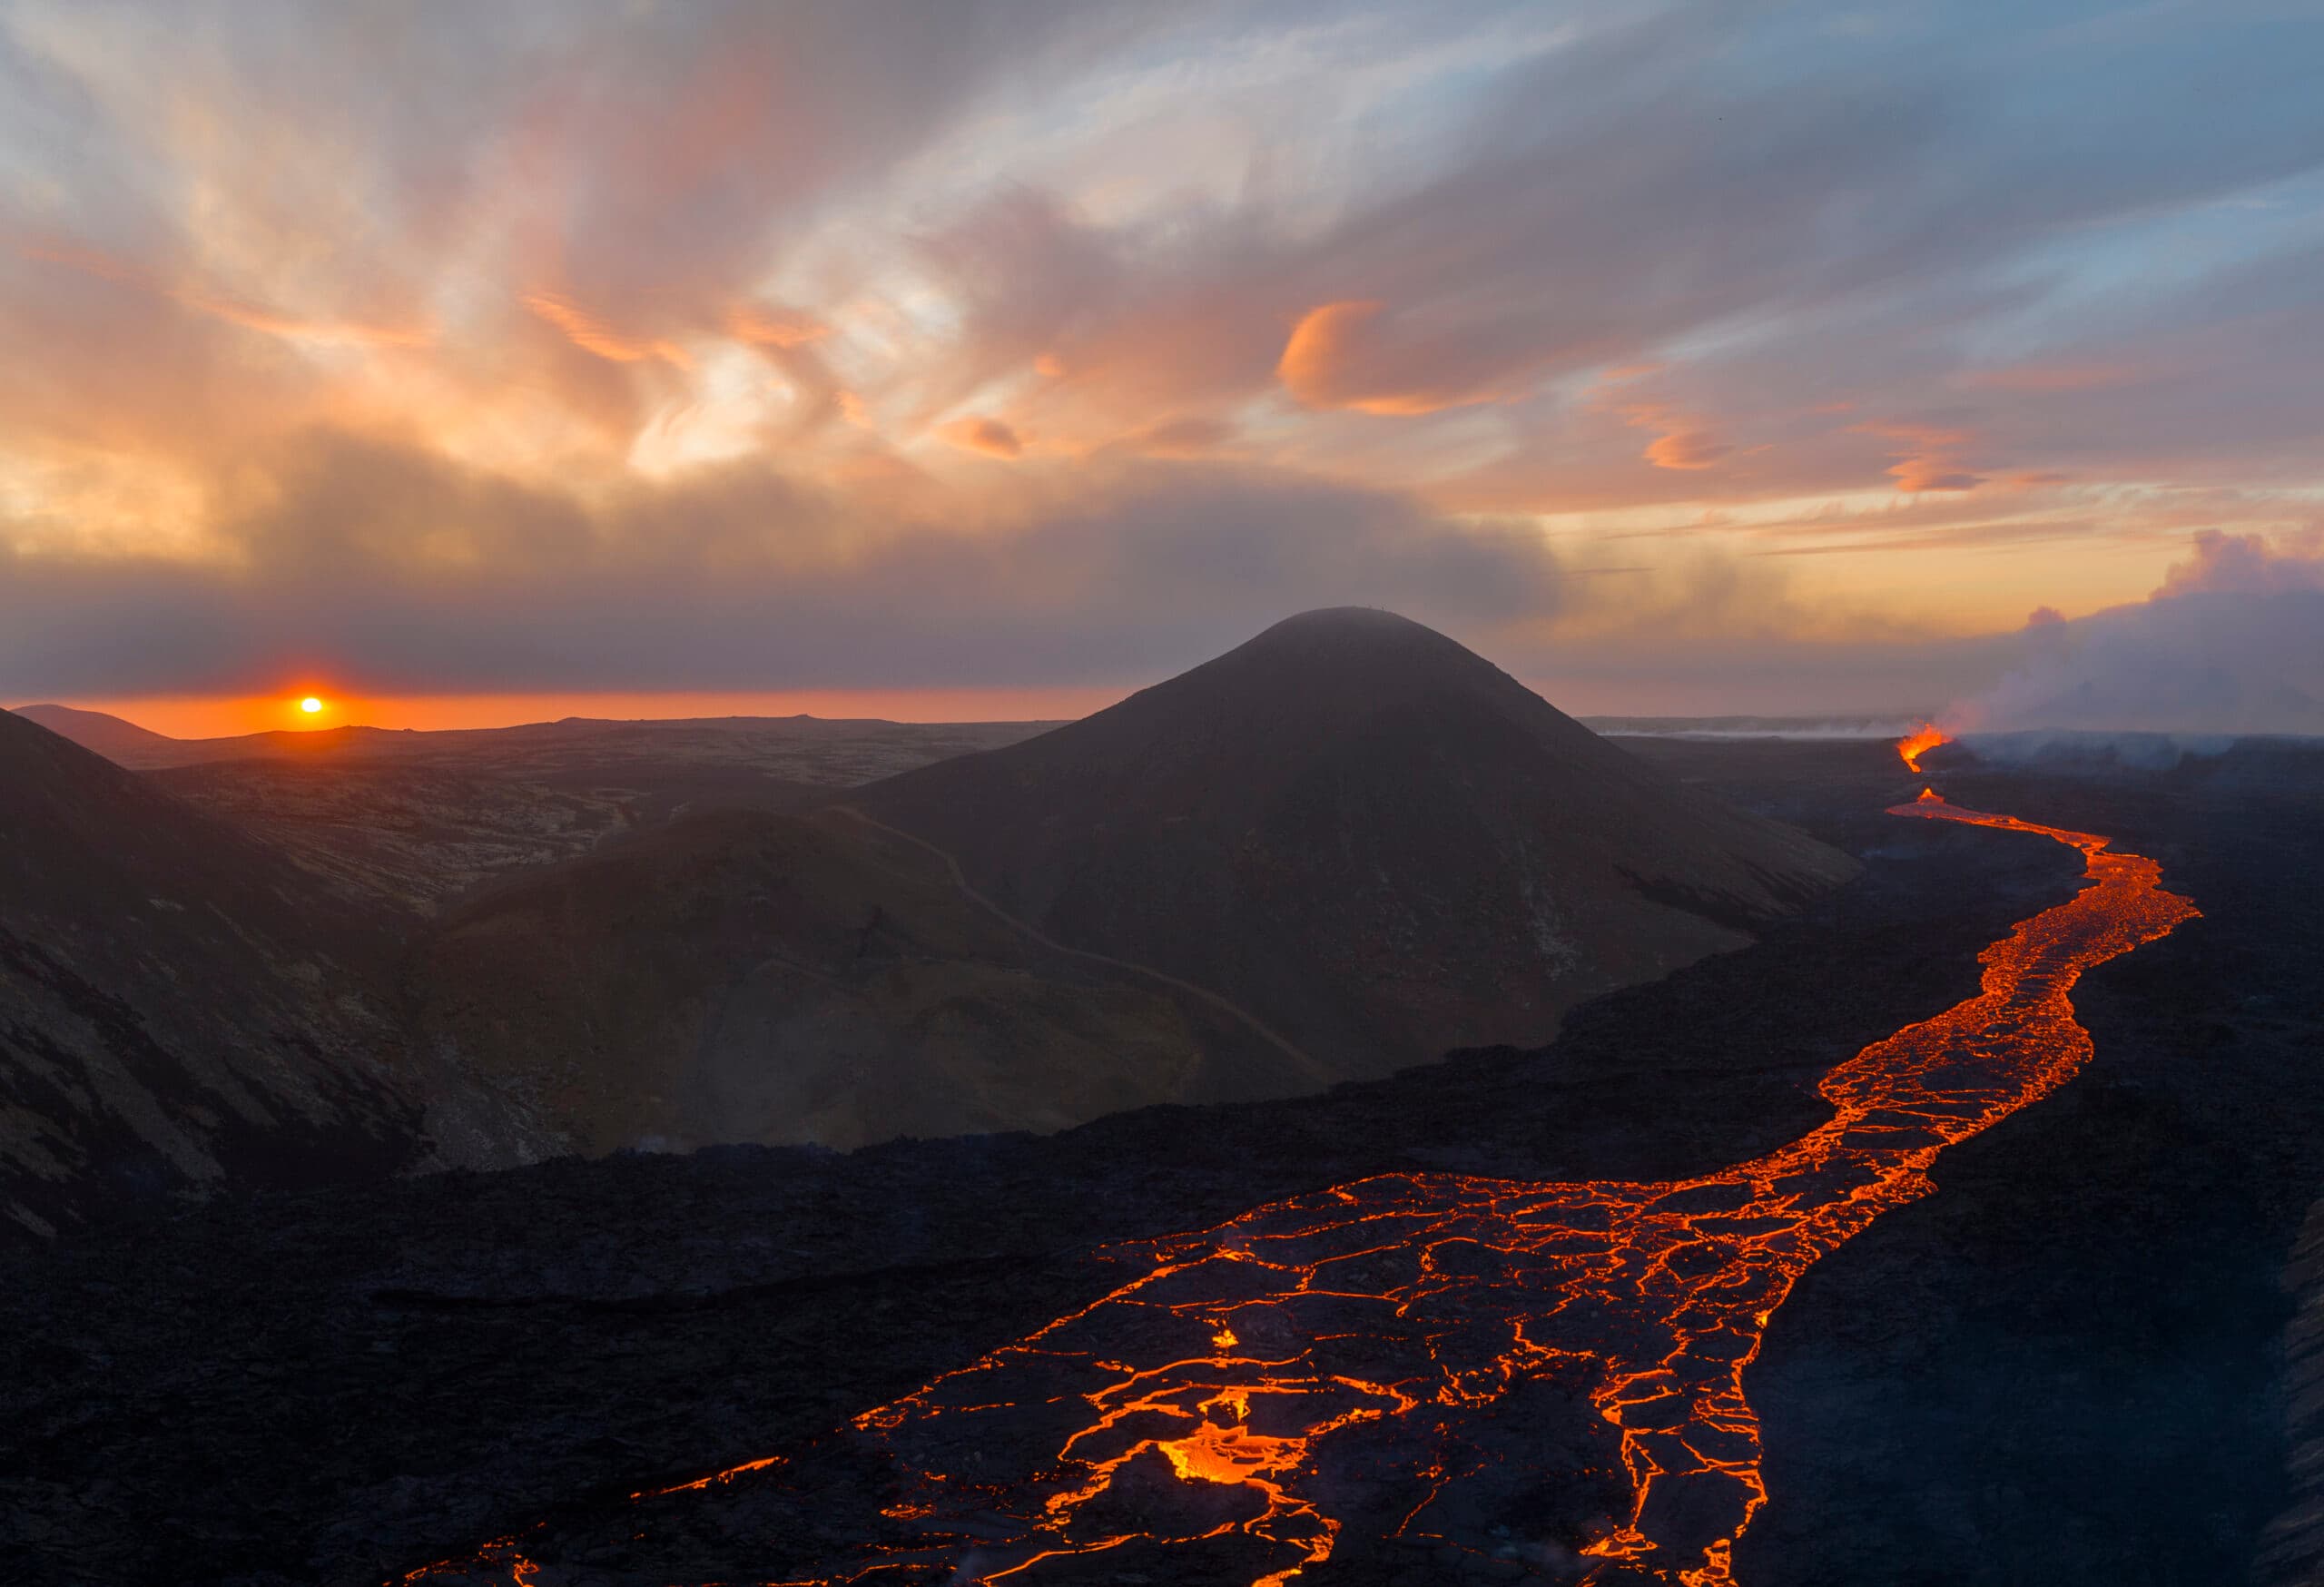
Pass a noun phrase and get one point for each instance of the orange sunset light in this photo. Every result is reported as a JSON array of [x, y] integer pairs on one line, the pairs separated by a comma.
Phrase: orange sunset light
[[203, 716], [310, 705]]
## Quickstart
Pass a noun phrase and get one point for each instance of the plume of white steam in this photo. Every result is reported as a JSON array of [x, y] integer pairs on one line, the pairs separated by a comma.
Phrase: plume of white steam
[[2231, 643]]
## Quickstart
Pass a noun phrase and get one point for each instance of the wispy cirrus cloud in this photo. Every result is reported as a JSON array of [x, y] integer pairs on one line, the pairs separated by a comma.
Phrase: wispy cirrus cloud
[[1883, 307]]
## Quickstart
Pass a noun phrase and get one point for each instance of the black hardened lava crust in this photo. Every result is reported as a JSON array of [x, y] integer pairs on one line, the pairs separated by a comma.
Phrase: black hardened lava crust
[[336, 1388], [2064, 1366]]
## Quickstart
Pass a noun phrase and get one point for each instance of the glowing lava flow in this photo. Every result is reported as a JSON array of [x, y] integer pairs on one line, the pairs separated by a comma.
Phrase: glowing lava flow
[[1421, 1358], [1920, 741]]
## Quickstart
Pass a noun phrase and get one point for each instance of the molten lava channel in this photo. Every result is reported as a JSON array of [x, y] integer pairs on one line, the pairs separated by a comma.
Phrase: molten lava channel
[[1327, 1369]]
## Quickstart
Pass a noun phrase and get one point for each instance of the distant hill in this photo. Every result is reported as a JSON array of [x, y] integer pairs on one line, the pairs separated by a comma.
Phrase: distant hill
[[746, 976], [181, 1008], [409, 838], [1348, 846], [1379, 843], [811, 750], [122, 743], [409, 820]]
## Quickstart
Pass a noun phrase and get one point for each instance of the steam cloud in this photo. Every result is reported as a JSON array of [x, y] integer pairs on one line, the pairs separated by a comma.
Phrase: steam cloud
[[2232, 642]]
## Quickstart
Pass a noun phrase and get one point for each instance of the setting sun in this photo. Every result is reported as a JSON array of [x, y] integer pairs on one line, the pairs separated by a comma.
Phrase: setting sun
[[311, 704]]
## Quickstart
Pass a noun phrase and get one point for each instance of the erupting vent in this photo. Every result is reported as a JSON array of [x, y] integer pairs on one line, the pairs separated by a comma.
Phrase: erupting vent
[[1920, 741]]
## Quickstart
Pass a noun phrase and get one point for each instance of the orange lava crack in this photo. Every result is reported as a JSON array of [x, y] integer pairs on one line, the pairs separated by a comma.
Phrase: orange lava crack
[[1191, 1403]]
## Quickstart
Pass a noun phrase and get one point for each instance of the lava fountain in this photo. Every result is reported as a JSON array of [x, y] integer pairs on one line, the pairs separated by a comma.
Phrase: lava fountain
[[1405, 1363], [1920, 741]]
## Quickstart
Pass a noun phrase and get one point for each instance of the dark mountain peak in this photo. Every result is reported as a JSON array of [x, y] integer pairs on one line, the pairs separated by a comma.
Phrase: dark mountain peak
[[1323, 678], [1364, 832], [1364, 642], [1353, 626]]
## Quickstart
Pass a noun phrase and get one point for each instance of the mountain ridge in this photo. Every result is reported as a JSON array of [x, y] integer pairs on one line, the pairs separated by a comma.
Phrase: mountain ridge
[[1492, 861], [141, 749], [182, 1010]]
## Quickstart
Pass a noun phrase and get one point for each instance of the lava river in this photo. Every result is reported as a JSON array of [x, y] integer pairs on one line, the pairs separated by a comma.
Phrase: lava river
[[1390, 1376]]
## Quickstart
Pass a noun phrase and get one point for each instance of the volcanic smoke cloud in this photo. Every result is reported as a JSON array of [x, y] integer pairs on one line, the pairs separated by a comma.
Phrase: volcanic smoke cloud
[[2231, 642]]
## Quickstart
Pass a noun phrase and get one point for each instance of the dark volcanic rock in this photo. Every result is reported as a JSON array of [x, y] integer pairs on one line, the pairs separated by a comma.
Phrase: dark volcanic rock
[[405, 838], [354, 1383], [2064, 1366], [792, 979], [1378, 842], [2293, 1555], [181, 1009], [2061, 1367]]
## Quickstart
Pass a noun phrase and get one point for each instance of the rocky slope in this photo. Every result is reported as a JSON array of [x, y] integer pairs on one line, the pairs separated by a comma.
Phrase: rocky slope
[[2292, 1554], [405, 838], [803, 750], [1377, 841], [181, 1008], [745, 976], [407, 1371]]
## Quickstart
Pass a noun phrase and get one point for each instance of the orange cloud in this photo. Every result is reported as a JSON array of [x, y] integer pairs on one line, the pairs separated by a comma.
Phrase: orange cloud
[[1183, 438], [1681, 445], [1687, 448], [1336, 358], [775, 327], [249, 316], [1932, 463], [591, 334], [253, 317], [980, 434], [1914, 475]]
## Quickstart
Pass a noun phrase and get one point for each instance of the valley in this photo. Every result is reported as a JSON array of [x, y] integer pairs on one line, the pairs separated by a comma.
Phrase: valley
[[1341, 848], [1027, 793], [530, 1347]]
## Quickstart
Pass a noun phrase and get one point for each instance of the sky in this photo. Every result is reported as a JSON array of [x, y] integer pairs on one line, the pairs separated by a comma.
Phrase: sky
[[997, 357]]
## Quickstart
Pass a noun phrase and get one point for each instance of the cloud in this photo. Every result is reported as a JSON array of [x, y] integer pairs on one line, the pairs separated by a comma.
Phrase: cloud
[[1183, 438], [988, 436], [611, 268], [2047, 378], [249, 316], [2226, 645], [779, 328], [1914, 474], [2248, 565], [405, 573], [591, 334], [1355, 355], [1931, 461], [1686, 448]]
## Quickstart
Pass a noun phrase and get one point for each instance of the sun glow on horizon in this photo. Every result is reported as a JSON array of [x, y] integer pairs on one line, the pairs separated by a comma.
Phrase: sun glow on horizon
[[310, 705], [227, 716]]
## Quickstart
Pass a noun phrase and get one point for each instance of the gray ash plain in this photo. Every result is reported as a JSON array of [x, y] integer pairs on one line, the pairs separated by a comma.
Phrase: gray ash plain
[[2064, 1366]]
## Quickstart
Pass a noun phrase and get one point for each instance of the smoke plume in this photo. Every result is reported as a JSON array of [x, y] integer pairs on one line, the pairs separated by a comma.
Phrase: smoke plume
[[2232, 642]]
